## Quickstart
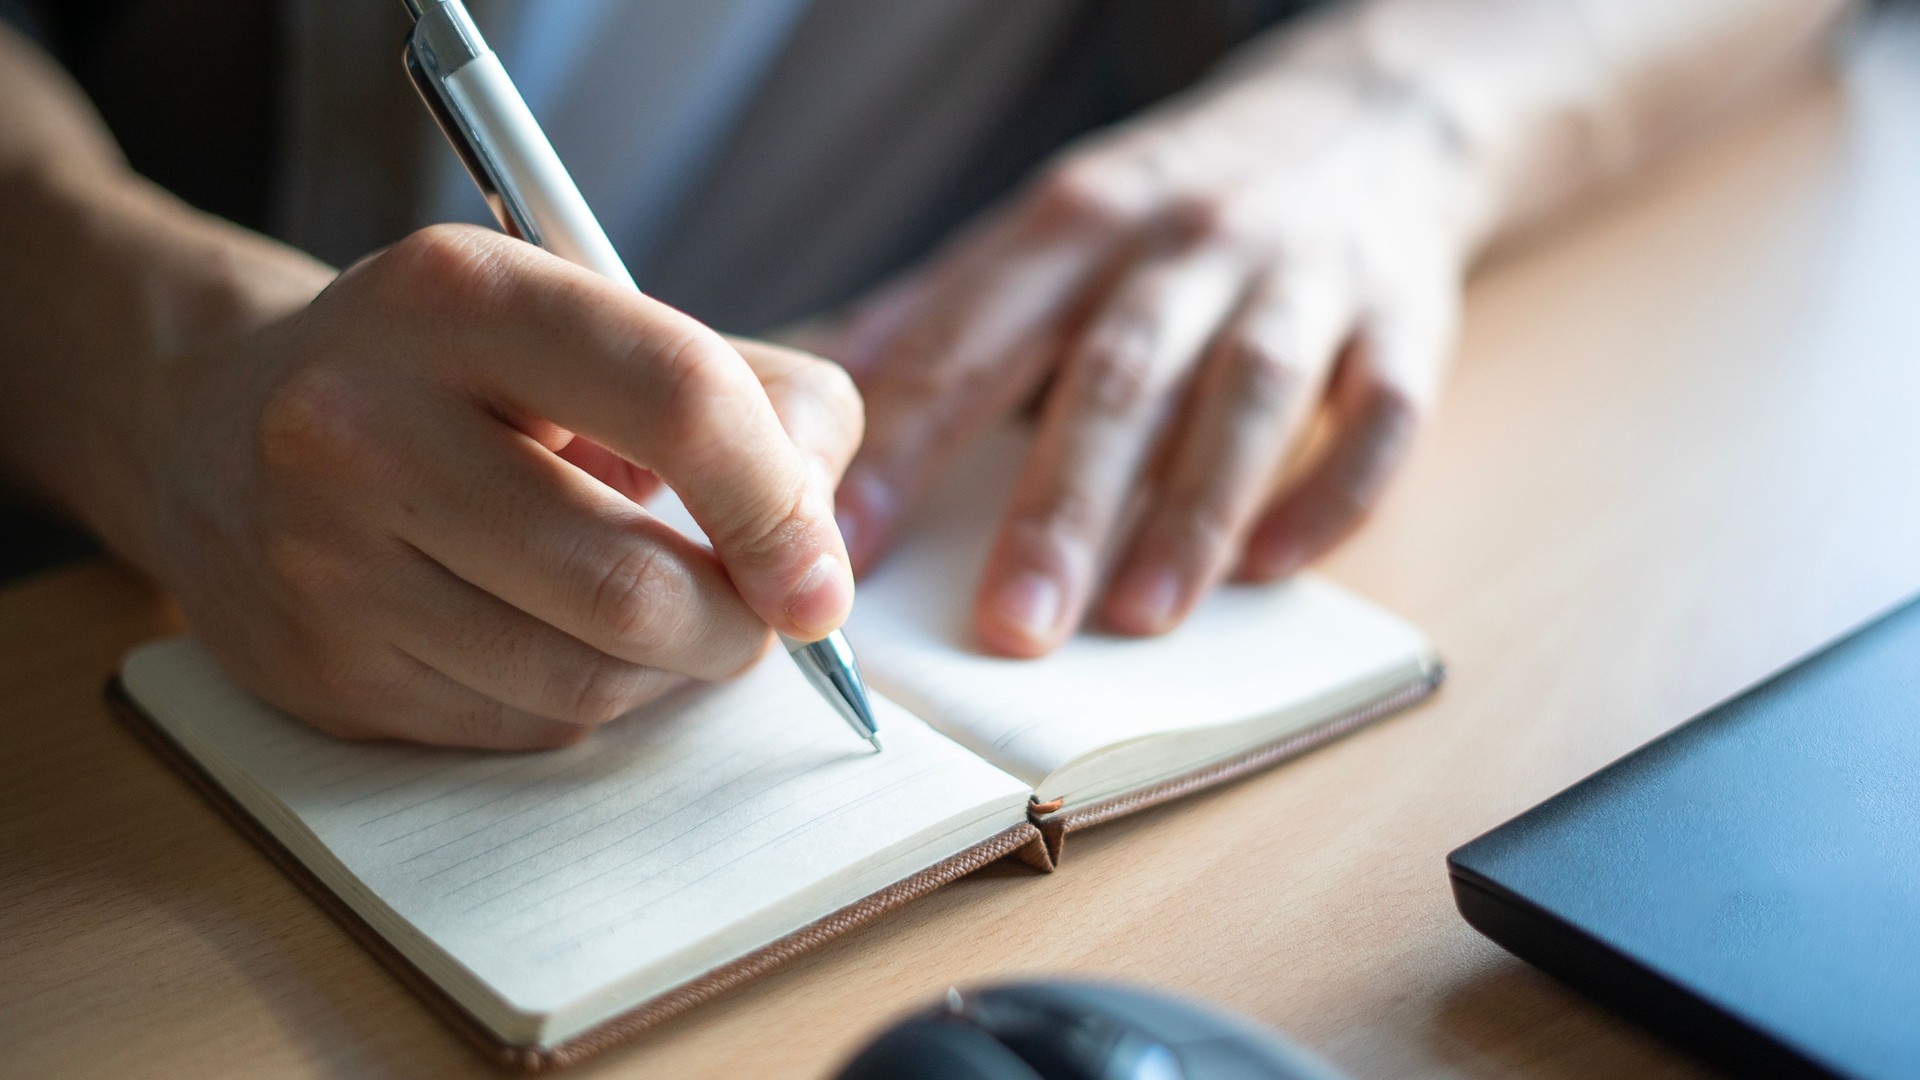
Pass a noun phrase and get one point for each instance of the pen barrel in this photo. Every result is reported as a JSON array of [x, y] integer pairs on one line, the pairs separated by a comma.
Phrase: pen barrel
[[483, 115], [523, 165]]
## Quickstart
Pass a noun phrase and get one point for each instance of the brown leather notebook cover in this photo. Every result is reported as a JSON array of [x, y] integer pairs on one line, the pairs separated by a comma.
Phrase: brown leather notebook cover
[[1036, 843]]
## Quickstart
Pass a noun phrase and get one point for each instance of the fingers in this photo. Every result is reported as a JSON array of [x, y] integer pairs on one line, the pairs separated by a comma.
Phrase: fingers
[[421, 705], [1379, 391], [963, 344], [395, 647], [623, 476], [539, 340], [1261, 381], [1116, 393], [517, 522], [814, 399], [506, 655], [816, 402]]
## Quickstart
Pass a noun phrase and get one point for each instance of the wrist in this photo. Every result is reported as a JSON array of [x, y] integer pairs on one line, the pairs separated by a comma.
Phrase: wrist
[[1385, 141], [1328, 76], [109, 288], [1517, 116]]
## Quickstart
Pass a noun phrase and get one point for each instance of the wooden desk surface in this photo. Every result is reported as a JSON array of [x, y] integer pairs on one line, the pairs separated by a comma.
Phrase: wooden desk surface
[[1681, 448]]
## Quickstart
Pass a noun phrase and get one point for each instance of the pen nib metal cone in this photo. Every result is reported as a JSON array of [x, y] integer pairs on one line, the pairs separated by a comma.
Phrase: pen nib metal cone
[[829, 665]]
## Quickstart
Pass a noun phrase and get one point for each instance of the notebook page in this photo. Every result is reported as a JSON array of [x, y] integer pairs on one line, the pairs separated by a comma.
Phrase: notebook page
[[1305, 649], [570, 884]]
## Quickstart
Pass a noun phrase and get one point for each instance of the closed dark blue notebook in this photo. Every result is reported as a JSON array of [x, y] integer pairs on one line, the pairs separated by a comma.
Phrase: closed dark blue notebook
[[1748, 885]]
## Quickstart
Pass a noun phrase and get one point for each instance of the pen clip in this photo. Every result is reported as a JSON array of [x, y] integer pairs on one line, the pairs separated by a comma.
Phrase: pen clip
[[501, 199]]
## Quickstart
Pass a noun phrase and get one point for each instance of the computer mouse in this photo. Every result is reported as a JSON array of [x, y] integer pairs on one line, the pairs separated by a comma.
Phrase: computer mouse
[[1080, 1031]]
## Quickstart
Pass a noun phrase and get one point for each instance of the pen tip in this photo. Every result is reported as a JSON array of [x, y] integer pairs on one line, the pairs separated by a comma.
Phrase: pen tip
[[875, 740]]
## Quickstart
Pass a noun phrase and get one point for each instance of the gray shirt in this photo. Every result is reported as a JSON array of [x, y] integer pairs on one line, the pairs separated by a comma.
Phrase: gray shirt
[[754, 160]]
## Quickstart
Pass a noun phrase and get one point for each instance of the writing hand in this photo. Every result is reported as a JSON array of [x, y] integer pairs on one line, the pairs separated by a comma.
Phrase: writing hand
[[410, 509]]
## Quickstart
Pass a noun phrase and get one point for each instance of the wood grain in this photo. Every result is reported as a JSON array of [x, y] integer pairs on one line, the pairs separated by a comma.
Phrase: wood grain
[[1680, 450]]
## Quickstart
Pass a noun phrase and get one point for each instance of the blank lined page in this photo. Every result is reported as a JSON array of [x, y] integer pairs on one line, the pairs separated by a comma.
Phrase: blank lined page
[[1302, 650], [577, 882]]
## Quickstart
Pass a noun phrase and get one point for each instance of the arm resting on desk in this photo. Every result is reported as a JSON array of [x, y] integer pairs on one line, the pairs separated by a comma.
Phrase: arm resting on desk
[[1551, 98]]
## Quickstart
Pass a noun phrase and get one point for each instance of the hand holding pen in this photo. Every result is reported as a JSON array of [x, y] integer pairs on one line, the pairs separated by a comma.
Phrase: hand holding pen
[[490, 127], [403, 501]]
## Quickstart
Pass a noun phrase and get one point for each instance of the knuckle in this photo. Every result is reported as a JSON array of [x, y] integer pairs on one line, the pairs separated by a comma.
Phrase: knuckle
[[1207, 526], [1264, 378], [637, 599], [703, 401], [318, 419], [297, 564], [933, 385], [1119, 376], [1083, 192], [1198, 219], [1064, 515], [449, 268], [769, 535]]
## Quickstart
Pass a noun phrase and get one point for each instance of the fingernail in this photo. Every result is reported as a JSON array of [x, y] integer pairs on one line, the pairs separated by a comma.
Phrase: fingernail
[[1151, 594], [821, 601], [1031, 601]]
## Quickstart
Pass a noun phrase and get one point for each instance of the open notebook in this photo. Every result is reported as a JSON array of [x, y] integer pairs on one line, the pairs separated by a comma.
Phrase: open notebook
[[554, 903]]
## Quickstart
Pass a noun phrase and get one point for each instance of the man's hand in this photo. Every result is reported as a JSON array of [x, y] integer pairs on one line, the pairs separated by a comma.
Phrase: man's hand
[[1182, 295], [410, 508], [402, 500]]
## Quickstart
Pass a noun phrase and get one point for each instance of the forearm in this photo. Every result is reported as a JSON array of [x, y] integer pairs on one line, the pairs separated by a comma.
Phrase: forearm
[[1545, 100], [104, 279]]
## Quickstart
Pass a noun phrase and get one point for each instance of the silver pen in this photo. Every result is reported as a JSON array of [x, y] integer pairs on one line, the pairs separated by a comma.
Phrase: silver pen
[[508, 155]]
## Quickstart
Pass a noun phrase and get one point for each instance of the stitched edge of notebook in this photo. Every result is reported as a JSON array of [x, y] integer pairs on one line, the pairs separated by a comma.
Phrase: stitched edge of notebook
[[1055, 826], [1021, 841]]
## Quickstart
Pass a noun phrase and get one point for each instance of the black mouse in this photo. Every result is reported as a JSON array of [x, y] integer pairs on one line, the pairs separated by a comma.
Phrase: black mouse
[[1080, 1031]]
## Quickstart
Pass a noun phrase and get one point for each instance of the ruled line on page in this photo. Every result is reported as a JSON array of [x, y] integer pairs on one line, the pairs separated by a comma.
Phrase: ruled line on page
[[398, 784], [610, 794], [565, 782], [766, 814], [649, 802], [638, 909], [732, 801], [503, 795], [399, 757], [509, 769], [563, 770]]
